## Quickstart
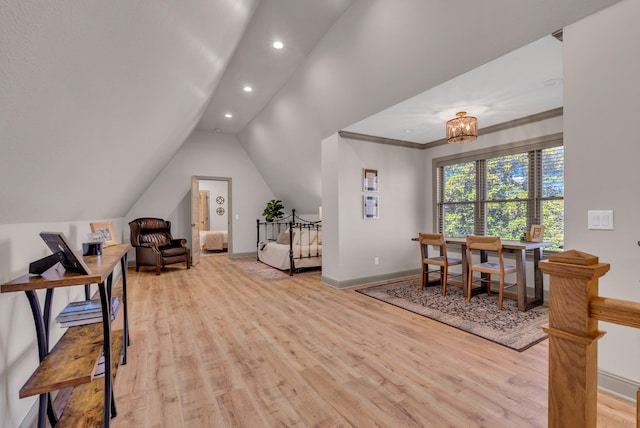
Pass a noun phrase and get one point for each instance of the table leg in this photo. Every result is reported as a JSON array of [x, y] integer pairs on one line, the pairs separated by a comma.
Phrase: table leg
[[465, 269], [125, 333], [45, 407], [524, 303], [537, 256], [484, 257], [521, 274], [538, 284], [105, 299]]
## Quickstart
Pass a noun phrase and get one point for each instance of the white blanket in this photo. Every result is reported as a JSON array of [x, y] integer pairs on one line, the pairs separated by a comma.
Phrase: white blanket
[[277, 255]]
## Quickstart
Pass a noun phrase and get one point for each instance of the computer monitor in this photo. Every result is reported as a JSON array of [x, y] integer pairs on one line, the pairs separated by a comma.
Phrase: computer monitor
[[68, 257]]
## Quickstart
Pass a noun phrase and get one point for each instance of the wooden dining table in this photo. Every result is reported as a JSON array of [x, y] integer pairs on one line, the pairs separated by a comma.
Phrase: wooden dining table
[[519, 249]]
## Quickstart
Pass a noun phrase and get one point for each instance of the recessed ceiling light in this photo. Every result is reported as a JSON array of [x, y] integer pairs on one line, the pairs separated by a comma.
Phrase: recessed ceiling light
[[408, 131], [278, 44], [228, 115], [247, 88]]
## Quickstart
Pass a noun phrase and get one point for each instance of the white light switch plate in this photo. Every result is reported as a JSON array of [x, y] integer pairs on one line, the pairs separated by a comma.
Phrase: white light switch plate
[[601, 219]]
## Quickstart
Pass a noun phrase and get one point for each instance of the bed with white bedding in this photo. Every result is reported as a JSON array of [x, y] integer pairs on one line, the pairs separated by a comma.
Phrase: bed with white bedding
[[213, 240], [290, 244]]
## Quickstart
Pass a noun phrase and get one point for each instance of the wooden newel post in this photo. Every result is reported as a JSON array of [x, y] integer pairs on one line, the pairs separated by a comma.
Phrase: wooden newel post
[[573, 335]]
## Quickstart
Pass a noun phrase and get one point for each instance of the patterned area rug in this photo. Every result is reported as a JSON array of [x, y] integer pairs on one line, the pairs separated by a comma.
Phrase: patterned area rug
[[267, 273], [510, 327]]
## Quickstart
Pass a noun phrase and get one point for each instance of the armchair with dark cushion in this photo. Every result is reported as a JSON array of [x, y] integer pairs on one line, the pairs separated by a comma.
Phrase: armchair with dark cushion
[[151, 237]]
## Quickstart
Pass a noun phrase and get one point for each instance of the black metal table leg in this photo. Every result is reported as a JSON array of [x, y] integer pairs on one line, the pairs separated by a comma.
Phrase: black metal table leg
[[105, 299], [125, 334], [41, 322]]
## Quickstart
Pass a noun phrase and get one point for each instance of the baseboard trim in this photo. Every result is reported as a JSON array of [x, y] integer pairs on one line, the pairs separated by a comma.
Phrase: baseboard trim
[[617, 385], [368, 279], [242, 255]]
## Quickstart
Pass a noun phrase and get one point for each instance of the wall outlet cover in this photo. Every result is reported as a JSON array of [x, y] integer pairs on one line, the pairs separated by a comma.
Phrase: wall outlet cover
[[600, 219]]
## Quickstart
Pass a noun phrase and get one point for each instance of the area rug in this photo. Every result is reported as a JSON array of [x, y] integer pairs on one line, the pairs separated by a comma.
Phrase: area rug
[[510, 327], [265, 272]]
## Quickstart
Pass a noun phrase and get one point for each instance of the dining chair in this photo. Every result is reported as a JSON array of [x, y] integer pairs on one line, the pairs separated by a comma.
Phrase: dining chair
[[436, 241], [493, 244]]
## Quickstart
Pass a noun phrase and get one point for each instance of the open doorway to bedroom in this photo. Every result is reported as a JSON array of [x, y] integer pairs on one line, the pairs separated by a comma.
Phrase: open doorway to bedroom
[[210, 216]]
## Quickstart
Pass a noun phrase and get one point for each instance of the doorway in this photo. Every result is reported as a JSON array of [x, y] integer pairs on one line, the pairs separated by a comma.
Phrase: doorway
[[211, 226]]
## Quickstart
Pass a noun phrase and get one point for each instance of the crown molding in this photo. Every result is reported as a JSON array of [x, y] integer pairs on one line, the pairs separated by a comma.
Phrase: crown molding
[[549, 114]]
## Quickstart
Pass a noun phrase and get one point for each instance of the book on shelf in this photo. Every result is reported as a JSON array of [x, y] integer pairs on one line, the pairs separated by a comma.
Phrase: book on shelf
[[84, 312], [99, 371]]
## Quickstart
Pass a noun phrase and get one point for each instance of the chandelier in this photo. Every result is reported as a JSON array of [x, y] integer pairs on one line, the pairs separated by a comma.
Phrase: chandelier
[[462, 128]]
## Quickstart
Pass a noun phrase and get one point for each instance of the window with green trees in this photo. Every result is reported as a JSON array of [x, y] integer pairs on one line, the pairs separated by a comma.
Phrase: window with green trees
[[503, 191]]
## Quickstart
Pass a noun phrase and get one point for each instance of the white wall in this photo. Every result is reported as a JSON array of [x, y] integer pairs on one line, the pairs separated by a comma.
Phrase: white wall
[[601, 93], [401, 211], [406, 208], [216, 188], [20, 244], [98, 96], [209, 154]]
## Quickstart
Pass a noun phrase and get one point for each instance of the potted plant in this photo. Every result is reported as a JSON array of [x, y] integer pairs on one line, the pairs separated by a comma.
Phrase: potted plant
[[274, 210]]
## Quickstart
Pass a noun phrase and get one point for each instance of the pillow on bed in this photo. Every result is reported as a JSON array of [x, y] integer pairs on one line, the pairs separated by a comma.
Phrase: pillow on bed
[[283, 238]]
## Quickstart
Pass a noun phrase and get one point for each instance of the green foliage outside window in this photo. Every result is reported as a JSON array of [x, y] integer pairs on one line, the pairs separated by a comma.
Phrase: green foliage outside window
[[504, 195]]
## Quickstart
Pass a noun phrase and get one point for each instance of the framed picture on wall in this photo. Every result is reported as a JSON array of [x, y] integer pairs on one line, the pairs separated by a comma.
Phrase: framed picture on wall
[[370, 207], [107, 230], [370, 179]]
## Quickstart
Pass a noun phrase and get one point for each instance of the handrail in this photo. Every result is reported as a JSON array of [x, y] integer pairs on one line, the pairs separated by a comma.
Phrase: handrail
[[573, 335], [622, 312]]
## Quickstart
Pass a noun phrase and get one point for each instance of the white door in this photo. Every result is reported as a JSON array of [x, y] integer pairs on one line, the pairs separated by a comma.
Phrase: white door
[[195, 218]]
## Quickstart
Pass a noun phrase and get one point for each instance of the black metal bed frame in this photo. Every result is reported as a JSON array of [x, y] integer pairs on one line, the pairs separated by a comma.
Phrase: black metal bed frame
[[294, 224]]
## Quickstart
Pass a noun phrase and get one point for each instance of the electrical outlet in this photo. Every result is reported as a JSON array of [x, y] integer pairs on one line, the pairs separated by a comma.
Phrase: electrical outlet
[[376, 261]]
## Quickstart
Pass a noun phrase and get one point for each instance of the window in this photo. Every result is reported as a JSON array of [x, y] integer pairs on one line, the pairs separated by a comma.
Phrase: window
[[503, 191]]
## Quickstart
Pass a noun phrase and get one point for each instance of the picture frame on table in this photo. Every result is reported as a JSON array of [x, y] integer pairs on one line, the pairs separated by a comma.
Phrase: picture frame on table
[[63, 252], [370, 207], [535, 234], [107, 229], [98, 237], [370, 180]]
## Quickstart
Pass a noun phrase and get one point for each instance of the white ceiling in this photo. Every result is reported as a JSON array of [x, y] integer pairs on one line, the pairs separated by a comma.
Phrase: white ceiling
[[299, 24], [521, 83], [524, 82]]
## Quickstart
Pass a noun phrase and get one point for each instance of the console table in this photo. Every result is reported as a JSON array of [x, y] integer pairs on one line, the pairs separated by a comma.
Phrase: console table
[[72, 361]]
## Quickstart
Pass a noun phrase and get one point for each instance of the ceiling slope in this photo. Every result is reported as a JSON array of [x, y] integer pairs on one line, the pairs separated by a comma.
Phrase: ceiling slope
[[96, 97], [377, 54], [298, 24]]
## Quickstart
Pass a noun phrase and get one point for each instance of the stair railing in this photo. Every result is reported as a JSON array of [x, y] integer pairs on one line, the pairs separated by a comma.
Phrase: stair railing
[[574, 311]]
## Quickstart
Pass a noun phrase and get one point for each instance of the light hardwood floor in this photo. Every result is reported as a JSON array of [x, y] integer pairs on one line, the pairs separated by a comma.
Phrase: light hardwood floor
[[215, 347]]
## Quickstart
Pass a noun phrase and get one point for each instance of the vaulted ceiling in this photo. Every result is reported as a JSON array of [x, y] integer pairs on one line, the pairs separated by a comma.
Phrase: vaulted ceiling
[[97, 97]]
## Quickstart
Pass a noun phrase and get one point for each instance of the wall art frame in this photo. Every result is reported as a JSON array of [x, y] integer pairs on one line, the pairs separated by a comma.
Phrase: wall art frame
[[370, 207], [369, 180], [108, 230]]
